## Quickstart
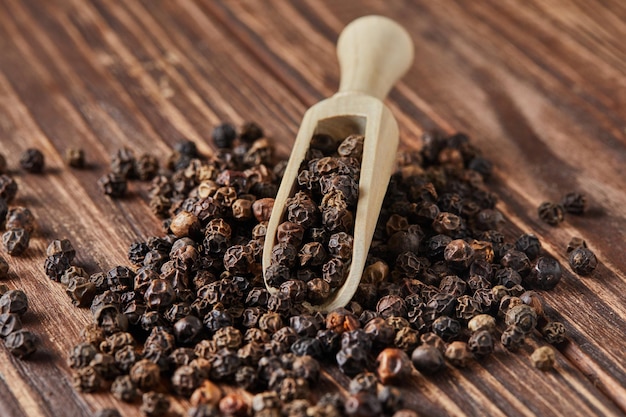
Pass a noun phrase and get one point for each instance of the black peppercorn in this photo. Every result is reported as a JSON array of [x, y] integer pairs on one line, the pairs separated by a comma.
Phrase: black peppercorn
[[574, 203], [113, 185], [427, 359], [545, 274], [15, 241], [551, 213], [553, 332], [14, 301], [75, 158], [583, 261], [32, 160], [8, 188], [9, 323], [124, 389], [154, 404]]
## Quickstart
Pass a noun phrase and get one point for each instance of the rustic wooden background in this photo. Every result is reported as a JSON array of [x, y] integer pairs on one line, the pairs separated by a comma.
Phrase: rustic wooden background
[[539, 85]]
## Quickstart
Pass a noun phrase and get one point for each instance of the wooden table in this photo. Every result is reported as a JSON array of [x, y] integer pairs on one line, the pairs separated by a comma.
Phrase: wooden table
[[538, 85]]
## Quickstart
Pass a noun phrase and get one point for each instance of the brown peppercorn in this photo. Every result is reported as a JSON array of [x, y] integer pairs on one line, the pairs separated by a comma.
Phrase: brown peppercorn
[[543, 358], [481, 343], [482, 322], [154, 404], [185, 224], [392, 365], [512, 337], [146, 167], [234, 405], [15, 241], [145, 374], [113, 185], [341, 320], [87, 380], [352, 146], [340, 245], [523, 316], [576, 242], [262, 209], [207, 393], [458, 354], [75, 158], [124, 389], [318, 290], [459, 254], [242, 209]]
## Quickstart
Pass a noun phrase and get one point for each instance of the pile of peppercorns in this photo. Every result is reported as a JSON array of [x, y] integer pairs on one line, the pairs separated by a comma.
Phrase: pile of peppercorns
[[312, 257], [192, 311]]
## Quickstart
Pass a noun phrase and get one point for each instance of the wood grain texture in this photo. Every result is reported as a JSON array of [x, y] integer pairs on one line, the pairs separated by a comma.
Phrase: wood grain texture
[[539, 87]]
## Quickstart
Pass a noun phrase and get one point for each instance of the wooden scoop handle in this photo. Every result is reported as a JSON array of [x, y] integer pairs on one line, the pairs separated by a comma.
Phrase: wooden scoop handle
[[374, 52]]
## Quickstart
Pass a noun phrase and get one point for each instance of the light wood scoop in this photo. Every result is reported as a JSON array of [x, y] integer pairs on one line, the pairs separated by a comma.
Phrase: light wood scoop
[[374, 52]]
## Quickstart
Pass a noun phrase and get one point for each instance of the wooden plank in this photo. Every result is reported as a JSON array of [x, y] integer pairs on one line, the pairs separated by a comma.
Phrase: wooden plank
[[101, 74]]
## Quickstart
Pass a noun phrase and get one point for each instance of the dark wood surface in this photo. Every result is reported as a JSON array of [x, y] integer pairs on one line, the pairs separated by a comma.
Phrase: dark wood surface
[[538, 85]]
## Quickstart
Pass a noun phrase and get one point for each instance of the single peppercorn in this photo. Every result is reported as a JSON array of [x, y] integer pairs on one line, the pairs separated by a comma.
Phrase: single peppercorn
[[154, 404], [21, 343], [9, 323], [553, 332], [75, 158], [427, 359], [574, 203], [523, 316], [551, 213], [543, 358], [8, 188], [124, 389], [113, 185], [87, 379], [545, 274], [458, 354], [32, 160], [576, 242], [583, 261], [480, 343], [513, 337], [14, 301], [15, 241]]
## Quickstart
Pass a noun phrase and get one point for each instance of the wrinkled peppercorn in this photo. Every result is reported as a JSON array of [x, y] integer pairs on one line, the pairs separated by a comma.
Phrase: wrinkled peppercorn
[[583, 261], [543, 358], [551, 213], [75, 158], [32, 160], [154, 404], [15, 241], [553, 332], [574, 203], [113, 185]]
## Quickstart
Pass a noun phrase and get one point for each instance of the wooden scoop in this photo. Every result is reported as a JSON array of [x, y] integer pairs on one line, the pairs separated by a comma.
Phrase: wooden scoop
[[374, 52]]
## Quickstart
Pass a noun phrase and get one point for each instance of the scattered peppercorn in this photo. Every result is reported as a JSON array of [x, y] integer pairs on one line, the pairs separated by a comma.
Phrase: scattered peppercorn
[[583, 261], [32, 160], [543, 358], [551, 213], [75, 158], [574, 203], [113, 185]]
